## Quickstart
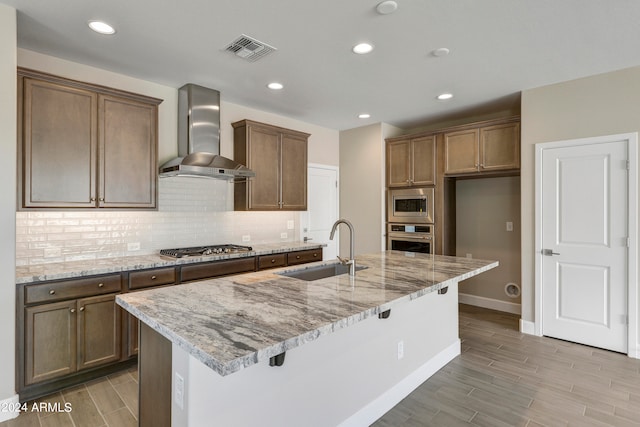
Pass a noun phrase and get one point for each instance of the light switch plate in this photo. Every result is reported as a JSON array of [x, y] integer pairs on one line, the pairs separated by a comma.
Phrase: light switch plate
[[283, 235], [290, 224]]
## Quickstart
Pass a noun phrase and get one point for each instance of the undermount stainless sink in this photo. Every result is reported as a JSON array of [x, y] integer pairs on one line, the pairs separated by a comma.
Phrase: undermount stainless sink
[[315, 273]]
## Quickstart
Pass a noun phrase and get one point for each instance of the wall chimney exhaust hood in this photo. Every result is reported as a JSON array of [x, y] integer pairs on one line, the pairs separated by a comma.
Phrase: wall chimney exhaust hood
[[199, 138]]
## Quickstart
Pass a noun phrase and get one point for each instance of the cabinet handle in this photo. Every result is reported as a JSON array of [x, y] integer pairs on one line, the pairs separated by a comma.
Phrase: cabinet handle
[[482, 165], [93, 199], [52, 292], [81, 308], [101, 199], [101, 285], [153, 277], [73, 310]]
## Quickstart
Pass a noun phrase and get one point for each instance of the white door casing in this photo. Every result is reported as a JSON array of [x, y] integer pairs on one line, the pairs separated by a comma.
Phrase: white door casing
[[322, 208], [585, 210]]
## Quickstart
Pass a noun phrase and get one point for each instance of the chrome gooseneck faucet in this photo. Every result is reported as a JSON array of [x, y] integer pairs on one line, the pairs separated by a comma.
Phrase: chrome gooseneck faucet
[[351, 262]]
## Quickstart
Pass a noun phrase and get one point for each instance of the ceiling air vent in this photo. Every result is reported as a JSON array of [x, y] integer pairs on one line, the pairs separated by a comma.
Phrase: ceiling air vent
[[249, 48]]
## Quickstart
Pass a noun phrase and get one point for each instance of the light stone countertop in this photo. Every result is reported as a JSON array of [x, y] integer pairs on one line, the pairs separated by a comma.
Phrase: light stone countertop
[[233, 322], [75, 269]]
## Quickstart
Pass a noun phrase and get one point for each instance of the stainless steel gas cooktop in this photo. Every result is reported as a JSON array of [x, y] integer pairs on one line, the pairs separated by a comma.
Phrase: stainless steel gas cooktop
[[204, 250]]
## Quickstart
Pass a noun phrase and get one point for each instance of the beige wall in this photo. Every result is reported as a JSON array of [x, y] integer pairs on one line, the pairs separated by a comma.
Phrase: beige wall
[[604, 104], [7, 208], [483, 206], [362, 185]]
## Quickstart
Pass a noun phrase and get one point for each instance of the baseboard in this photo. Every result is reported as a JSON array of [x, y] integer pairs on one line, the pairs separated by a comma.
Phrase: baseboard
[[9, 408], [527, 327], [493, 304], [378, 407]]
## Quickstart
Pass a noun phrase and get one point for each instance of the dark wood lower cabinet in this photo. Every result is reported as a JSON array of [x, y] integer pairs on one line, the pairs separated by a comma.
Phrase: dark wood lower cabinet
[[50, 335], [66, 337], [99, 328]]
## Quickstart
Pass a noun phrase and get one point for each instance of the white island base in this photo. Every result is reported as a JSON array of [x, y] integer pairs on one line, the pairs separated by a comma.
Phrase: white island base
[[347, 378]]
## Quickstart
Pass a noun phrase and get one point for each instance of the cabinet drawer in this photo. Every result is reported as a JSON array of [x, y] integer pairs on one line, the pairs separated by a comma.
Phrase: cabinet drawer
[[217, 269], [55, 291], [272, 261], [302, 257], [155, 277]]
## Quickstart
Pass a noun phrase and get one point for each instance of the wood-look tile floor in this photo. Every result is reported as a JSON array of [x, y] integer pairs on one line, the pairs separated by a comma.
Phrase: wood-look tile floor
[[110, 401], [502, 378], [505, 378]]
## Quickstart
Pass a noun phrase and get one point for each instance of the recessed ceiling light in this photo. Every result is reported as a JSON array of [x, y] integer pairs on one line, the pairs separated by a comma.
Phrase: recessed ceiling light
[[443, 51], [101, 27], [364, 116], [362, 48], [387, 7], [275, 86], [444, 96]]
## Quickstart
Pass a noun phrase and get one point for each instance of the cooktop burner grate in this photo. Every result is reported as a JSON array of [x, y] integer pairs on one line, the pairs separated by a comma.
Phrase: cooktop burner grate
[[204, 250]]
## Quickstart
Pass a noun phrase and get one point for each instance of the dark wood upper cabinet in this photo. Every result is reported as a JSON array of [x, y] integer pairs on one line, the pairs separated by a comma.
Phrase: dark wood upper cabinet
[[278, 156], [84, 146], [411, 162]]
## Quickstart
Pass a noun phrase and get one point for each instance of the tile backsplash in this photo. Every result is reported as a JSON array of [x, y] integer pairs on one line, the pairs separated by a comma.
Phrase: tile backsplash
[[191, 212]]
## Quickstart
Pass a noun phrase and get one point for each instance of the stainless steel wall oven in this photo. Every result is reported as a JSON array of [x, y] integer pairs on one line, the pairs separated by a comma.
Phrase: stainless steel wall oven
[[410, 238]]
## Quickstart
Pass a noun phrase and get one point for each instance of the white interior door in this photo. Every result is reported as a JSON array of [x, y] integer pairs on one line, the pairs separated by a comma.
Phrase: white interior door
[[584, 243], [322, 208]]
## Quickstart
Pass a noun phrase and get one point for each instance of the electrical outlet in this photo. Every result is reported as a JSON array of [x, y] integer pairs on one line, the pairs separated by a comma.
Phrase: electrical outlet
[[283, 235], [179, 391], [246, 238], [509, 226], [290, 224], [133, 246], [400, 349], [469, 256]]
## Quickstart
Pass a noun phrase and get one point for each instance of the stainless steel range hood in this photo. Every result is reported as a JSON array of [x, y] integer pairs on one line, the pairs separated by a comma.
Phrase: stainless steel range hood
[[199, 138]]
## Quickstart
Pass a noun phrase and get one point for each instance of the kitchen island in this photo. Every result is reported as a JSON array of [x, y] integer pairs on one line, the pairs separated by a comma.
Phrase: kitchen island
[[211, 352]]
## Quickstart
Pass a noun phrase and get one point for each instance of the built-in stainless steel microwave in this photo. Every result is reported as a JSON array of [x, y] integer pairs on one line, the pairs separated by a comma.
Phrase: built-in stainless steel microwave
[[410, 205]]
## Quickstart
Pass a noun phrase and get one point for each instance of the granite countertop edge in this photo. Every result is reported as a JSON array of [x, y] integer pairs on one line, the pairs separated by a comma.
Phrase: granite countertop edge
[[237, 364], [93, 267]]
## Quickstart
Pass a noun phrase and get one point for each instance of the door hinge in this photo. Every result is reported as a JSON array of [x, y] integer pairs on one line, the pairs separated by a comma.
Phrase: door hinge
[[628, 242], [628, 165], [336, 184]]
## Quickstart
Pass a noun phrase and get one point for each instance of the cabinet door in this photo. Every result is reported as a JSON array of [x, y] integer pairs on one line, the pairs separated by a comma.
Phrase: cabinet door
[[461, 151], [500, 147], [50, 347], [128, 147], [132, 336], [264, 160], [423, 161], [398, 164], [293, 173], [59, 146], [98, 331]]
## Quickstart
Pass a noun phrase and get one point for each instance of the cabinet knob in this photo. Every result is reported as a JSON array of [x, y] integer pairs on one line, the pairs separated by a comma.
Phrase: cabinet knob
[[101, 199], [153, 277], [52, 292], [297, 256], [73, 310], [272, 261], [315, 255], [101, 285], [81, 308], [482, 165], [93, 199]]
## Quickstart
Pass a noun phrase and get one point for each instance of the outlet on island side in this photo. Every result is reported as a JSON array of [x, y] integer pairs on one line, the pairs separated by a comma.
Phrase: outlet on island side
[[400, 349], [246, 238], [133, 246]]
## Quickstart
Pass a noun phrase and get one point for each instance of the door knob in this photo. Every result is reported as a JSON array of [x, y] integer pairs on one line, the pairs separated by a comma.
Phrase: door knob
[[549, 252]]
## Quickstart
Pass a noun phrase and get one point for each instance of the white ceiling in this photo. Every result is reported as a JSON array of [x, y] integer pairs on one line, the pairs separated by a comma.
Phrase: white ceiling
[[498, 48]]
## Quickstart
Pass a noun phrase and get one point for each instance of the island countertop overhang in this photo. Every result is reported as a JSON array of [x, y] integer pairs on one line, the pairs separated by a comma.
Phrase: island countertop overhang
[[234, 322]]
